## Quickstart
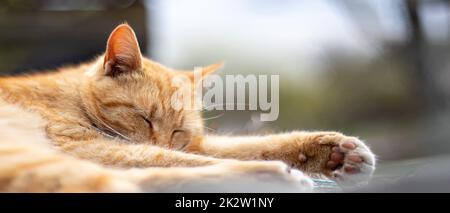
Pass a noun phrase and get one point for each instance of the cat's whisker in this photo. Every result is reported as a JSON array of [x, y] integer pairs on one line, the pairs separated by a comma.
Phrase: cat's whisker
[[204, 126], [210, 129], [225, 104], [107, 126], [213, 117]]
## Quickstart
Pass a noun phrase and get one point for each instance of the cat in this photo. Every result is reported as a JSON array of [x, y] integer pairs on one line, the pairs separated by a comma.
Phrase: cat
[[107, 126]]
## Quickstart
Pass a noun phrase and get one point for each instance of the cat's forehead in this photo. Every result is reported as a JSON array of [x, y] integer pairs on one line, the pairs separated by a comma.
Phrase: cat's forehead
[[152, 67], [161, 76]]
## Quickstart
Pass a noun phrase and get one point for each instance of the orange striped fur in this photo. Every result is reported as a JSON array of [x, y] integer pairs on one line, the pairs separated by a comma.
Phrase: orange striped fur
[[107, 125]]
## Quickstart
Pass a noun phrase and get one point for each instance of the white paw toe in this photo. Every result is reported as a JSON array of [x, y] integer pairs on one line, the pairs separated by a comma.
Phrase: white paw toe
[[358, 165]]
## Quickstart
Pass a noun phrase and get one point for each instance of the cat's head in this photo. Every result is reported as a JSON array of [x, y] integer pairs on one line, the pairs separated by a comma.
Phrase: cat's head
[[130, 96]]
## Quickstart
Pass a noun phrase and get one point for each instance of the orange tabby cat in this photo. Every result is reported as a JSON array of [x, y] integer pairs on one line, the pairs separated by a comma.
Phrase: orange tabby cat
[[107, 125]]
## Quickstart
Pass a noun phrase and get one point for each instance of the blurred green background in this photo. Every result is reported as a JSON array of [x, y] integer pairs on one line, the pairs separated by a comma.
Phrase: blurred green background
[[377, 69]]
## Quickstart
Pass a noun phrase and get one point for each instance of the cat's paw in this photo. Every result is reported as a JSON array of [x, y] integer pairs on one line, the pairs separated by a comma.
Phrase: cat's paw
[[351, 161]]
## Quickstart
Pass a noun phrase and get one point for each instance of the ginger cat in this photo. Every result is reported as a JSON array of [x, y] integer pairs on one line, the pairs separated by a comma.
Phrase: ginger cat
[[107, 126]]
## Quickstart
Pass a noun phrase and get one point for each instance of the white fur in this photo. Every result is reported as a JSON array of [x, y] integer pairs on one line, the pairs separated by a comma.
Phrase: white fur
[[366, 168]]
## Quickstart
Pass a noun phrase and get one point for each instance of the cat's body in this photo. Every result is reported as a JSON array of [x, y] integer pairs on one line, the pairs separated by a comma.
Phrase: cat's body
[[107, 125]]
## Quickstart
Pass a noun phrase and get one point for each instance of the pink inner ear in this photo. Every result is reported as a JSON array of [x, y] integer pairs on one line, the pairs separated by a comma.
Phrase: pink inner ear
[[122, 54]]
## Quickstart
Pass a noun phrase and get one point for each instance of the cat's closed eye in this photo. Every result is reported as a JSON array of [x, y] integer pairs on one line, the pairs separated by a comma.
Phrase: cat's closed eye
[[177, 132], [180, 138], [148, 121]]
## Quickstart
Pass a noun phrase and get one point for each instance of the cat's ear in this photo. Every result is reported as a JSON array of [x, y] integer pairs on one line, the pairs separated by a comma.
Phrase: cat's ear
[[122, 52], [211, 68], [205, 71]]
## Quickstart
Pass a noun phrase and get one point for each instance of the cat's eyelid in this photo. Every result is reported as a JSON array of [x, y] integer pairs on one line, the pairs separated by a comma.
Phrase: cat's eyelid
[[148, 120], [177, 131], [144, 114]]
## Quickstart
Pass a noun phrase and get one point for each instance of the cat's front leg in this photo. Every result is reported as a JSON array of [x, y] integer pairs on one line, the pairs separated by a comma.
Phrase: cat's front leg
[[343, 158], [233, 176]]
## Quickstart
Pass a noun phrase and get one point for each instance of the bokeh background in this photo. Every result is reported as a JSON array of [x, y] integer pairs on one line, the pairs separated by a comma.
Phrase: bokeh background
[[377, 69]]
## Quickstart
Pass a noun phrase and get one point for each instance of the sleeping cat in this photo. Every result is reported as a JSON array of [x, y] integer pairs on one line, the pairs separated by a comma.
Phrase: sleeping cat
[[107, 125]]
